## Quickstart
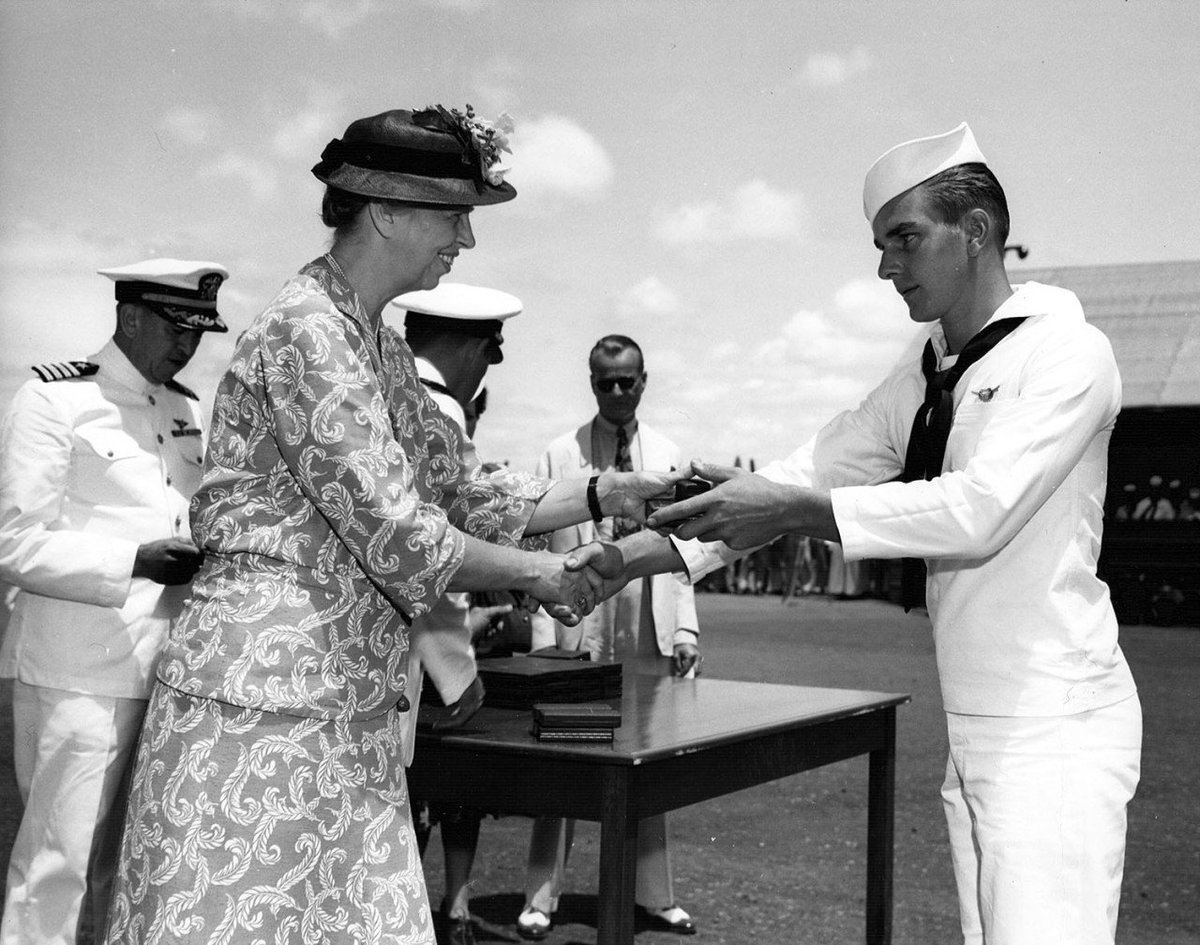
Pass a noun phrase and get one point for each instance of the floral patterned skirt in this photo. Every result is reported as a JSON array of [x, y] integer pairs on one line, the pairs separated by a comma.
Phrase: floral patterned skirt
[[250, 827]]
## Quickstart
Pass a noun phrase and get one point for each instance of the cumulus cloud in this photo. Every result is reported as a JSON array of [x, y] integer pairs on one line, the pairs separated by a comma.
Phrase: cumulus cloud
[[759, 210], [864, 333], [495, 82], [823, 70], [258, 176], [666, 360], [779, 391], [191, 126], [705, 391], [303, 134], [32, 245], [554, 158], [334, 17], [763, 392], [467, 6], [331, 17], [53, 306], [755, 210], [651, 297], [692, 223]]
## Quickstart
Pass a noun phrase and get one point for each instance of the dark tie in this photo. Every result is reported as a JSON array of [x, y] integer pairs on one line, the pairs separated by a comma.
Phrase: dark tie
[[931, 430], [623, 463]]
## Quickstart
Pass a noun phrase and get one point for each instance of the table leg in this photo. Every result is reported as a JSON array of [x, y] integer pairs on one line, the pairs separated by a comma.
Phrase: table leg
[[881, 818], [618, 860]]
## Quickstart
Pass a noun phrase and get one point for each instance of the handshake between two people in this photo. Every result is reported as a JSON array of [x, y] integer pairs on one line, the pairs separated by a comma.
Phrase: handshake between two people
[[569, 586], [702, 500]]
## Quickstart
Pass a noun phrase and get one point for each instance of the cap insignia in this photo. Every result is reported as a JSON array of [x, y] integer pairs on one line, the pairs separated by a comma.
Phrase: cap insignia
[[209, 285]]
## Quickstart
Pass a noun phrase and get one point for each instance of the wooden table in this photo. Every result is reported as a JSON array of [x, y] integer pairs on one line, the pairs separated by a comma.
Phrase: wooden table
[[681, 741]]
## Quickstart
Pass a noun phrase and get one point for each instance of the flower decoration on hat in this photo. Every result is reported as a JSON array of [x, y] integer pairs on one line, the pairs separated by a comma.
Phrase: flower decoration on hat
[[483, 141]]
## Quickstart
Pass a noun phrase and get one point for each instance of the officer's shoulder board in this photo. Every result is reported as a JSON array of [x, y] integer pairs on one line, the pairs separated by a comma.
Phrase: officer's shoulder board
[[64, 370], [180, 389]]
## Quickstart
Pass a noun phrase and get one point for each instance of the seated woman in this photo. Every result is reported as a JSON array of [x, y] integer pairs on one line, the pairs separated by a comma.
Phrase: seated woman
[[268, 798]]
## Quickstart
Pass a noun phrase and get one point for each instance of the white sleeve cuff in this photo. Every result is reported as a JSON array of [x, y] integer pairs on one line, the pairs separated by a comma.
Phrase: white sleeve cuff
[[845, 513], [116, 579], [703, 557]]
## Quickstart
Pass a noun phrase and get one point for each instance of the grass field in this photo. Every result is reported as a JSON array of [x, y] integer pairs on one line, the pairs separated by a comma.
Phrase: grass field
[[785, 863]]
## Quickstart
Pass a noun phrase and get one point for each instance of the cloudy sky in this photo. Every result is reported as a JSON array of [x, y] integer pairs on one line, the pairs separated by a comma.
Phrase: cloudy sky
[[689, 173]]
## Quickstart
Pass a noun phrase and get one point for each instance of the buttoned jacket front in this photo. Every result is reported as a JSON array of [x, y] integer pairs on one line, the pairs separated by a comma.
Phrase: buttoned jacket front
[[90, 468]]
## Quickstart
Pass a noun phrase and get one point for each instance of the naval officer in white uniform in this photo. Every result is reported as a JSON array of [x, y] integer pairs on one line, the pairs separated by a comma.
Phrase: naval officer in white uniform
[[98, 461]]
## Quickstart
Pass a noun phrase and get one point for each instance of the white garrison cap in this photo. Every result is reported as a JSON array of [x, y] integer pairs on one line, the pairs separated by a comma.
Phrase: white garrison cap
[[183, 291], [457, 300], [910, 163]]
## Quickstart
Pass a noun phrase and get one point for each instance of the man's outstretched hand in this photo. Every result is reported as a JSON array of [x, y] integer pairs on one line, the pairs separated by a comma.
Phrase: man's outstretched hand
[[747, 511]]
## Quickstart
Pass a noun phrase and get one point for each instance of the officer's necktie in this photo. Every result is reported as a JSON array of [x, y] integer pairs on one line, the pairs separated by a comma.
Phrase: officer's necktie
[[623, 462], [931, 430]]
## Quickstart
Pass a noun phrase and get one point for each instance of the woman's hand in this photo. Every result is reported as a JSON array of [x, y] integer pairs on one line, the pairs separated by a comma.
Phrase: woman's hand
[[625, 493], [604, 565], [566, 595], [570, 586]]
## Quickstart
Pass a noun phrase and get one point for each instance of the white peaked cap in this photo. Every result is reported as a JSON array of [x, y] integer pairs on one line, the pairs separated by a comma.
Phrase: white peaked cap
[[178, 273], [910, 163], [458, 300], [183, 291]]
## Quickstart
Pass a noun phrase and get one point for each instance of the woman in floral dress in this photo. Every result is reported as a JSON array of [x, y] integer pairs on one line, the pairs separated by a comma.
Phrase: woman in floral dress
[[268, 800]]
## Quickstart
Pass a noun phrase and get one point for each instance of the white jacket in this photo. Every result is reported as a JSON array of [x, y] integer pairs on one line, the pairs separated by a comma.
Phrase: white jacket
[[90, 468]]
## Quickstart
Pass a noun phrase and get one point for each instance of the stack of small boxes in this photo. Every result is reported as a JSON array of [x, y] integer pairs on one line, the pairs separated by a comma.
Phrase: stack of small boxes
[[575, 721], [519, 682]]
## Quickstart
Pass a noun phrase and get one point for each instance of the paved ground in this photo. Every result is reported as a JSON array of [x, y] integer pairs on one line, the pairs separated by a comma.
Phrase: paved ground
[[784, 863]]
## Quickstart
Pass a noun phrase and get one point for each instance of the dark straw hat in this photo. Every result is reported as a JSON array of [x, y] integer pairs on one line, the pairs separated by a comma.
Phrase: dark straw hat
[[437, 156]]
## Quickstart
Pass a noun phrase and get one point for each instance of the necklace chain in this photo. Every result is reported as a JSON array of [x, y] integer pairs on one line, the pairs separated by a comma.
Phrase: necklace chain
[[334, 265]]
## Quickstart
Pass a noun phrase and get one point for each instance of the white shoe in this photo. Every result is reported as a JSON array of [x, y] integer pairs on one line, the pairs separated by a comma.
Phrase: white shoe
[[672, 919], [533, 923]]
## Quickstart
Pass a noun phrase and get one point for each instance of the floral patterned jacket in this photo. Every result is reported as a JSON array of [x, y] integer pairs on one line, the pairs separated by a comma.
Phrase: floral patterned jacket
[[331, 512]]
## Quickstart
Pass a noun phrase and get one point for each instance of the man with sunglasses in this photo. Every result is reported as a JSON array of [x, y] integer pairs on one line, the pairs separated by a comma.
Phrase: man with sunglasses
[[652, 620]]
